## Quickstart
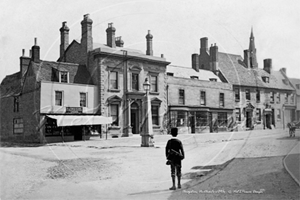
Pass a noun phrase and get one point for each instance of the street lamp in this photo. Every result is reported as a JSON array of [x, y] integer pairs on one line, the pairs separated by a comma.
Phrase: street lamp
[[147, 130]]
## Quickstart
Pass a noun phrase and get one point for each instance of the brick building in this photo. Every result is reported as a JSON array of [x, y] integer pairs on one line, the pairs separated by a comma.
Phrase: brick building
[[263, 98], [198, 101]]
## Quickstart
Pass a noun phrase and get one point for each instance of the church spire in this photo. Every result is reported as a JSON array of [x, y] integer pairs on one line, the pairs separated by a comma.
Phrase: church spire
[[252, 51]]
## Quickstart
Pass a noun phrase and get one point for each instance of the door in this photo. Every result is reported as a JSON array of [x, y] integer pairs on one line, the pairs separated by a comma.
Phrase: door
[[192, 122], [77, 132], [134, 118], [248, 119]]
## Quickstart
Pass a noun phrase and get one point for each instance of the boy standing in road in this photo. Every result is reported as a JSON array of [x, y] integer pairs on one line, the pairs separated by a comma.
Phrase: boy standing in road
[[174, 154]]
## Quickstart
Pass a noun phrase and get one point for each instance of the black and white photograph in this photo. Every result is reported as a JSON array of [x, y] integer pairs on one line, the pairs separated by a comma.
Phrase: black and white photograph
[[149, 99]]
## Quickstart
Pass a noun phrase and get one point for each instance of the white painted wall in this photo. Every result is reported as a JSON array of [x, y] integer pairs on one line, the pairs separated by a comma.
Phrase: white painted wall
[[71, 97]]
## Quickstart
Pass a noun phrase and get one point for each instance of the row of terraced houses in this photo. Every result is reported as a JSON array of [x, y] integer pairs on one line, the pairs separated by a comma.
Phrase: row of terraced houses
[[219, 92]]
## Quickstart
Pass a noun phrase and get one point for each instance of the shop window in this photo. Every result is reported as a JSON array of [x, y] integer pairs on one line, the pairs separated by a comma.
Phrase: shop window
[[113, 80], [222, 119], [237, 94], [18, 125], [114, 113], [83, 99], [181, 118], [201, 119], [16, 104], [238, 114], [181, 97], [221, 100], [248, 96], [258, 114], [154, 82], [202, 98], [58, 98], [155, 114]]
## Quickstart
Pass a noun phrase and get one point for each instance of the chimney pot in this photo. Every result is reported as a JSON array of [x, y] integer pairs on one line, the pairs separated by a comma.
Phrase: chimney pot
[[30, 53], [149, 50], [23, 52], [35, 41], [162, 55]]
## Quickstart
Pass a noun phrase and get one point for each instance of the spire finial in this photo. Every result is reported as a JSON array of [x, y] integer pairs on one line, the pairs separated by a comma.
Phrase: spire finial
[[251, 32]]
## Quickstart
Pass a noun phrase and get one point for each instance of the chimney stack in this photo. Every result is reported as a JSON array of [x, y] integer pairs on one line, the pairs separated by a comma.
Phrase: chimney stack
[[24, 63], [283, 70], [86, 34], [35, 50], [268, 65], [64, 38], [195, 61], [149, 50], [203, 45], [213, 51], [110, 36], [119, 42]]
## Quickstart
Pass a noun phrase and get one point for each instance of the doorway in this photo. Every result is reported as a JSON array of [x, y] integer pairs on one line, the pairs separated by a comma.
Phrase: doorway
[[249, 119], [77, 132], [134, 118]]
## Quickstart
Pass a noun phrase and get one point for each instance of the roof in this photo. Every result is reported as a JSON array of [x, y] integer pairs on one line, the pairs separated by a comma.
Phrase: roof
[[296, 81], [234, 70], [99, 45], [11, 85], [187, 72], [77, 73]]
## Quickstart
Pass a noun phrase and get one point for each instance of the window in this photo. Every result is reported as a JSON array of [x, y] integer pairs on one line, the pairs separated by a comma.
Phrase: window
[[181, 97], [18, 125], [201, 118], [194, 77], [265, 79], [221, 100], [257, 95], [153, 80], [113, 80], [286, 97], [16, 104], [155, 115], [63, 77], [237, 94], [213, 79], [248, 96], [170, 74], [238, 114], [114, 113], [278, 97], [58, 98], [292, 98], [181, 118], [272, 94], [222, 119], [278, 114], [258, 114], [202, 98], [135, 81], [82, 99], [298, 86]]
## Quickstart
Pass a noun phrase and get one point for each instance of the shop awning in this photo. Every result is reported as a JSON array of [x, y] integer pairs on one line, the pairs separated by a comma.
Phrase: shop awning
[[77, 120]]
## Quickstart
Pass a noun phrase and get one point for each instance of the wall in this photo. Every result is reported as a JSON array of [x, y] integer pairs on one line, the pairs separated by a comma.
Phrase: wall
[[71, 97]]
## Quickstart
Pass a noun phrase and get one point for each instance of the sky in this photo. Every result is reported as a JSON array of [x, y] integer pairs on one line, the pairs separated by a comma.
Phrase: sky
[[176, 26]]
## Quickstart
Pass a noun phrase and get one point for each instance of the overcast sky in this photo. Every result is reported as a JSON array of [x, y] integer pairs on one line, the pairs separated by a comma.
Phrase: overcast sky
[[177, 26]]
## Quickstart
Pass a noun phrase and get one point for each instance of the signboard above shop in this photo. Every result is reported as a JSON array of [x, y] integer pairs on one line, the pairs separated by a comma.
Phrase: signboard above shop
[[73, 110]]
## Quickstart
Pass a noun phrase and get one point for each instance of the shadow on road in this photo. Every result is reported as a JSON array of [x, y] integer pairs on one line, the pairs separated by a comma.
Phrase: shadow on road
[[18, 145], [289, 138]]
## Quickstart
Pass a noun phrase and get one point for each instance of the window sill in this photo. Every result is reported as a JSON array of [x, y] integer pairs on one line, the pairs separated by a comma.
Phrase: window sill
[[154, 93], [113, 90], [237, 100], [114, 128], [155, 126]]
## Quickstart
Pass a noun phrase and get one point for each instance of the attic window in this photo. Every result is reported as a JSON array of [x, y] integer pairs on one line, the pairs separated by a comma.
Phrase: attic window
[[194, 77], [63, 77], [285, 81], [213, 79], [298, 86], [170, 74], [265, 79]]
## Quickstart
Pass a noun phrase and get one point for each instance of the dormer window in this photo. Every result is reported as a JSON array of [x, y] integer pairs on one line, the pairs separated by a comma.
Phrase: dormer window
[[63, 77], [170, 74], [265, 79], [213, 79], [298, 86], [194, 77], [285, 81]]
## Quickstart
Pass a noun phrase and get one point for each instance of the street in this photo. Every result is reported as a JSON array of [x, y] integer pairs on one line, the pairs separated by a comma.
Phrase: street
[[241, 165]]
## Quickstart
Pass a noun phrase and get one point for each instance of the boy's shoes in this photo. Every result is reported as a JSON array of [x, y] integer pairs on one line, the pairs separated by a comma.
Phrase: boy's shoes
[[172, 188], [179, 186]]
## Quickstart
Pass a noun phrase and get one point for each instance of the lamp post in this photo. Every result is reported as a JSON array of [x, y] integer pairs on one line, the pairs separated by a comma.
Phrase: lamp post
[[147, 131]]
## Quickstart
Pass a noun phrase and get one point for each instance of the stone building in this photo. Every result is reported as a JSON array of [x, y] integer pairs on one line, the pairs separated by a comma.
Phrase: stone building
[[296, 84], [263, 98], [198, 101]]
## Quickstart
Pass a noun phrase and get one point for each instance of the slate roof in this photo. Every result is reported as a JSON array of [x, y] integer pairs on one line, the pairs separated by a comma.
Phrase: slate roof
[[234, 70], [11, 84], [295, 81], [77, 73], [187, 72]]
